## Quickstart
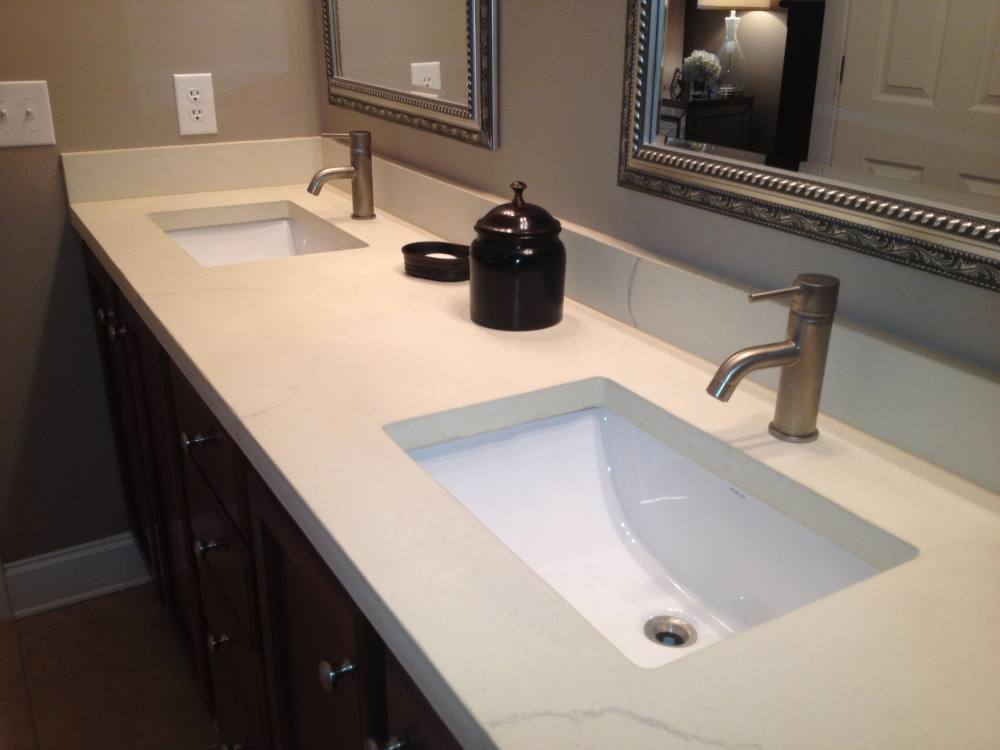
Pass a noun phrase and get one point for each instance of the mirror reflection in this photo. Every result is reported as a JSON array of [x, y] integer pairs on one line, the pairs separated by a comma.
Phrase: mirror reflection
[[419, 47], [900, 96]]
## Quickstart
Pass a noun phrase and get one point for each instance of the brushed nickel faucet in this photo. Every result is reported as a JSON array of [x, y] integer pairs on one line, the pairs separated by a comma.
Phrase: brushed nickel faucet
[[802, 358], [360, 173]]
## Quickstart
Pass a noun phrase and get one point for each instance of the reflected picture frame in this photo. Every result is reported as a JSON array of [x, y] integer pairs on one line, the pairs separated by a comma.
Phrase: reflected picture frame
[[472, 122], [935, 239]]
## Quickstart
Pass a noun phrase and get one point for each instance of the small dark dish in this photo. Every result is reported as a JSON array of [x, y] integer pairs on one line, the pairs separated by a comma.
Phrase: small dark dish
[[454, 268]]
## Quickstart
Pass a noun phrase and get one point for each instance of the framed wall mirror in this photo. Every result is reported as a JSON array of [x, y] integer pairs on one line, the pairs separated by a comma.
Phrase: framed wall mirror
[[870, 124], [384, 58]]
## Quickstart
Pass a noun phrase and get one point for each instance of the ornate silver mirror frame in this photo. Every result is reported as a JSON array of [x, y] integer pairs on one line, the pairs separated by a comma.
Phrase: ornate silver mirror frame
[[959, 246], [473, 123]]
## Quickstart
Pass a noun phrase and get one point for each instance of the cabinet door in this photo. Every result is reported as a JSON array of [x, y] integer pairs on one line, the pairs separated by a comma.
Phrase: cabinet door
[[151, 382], [412, 723], [325, 664], [133, 447]]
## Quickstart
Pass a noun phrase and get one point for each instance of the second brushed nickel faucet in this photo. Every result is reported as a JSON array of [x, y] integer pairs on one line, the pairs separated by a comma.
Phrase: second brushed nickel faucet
[[360, 174], [802, 357]]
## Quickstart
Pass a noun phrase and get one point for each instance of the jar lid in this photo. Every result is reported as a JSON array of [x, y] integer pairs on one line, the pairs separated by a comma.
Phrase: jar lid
[[518, 219]]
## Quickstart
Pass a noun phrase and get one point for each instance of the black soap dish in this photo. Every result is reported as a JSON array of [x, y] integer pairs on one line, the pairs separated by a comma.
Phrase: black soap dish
[[437, 261]]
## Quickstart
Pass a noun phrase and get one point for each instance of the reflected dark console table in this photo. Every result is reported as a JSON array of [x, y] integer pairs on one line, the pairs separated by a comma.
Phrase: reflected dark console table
[[721, 122]]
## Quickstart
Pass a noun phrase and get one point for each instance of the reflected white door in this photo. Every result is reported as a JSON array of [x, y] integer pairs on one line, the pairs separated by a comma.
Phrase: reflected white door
[[920, 100]]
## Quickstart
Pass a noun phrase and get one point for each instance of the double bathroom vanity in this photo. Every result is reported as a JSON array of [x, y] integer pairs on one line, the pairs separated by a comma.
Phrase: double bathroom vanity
[[376, 522]]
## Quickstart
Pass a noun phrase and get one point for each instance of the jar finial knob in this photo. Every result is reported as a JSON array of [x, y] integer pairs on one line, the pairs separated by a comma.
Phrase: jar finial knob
[[518, 188]]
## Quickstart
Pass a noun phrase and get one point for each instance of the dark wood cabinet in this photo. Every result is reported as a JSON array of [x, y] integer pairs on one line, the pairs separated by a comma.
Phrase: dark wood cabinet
[[411, 722], [287, 659], [207, 445], [149, 367], [143, 414], [325, 660], [134, 452]]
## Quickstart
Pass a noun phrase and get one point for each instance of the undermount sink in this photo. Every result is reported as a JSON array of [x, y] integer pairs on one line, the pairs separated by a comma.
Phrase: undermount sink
[[662, 555], [223, 235]]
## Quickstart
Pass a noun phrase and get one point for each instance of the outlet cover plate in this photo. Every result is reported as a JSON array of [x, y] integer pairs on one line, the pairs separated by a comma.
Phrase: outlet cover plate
[[26, 117], [195, 100], [426, 75]]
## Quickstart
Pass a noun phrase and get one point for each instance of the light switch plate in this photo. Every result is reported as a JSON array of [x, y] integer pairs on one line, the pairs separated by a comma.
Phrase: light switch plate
[[25, 114], [195, 103]]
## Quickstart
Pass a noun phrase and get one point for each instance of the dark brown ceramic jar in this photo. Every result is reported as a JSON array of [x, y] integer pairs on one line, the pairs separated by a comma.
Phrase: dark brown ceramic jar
[[517, 267]]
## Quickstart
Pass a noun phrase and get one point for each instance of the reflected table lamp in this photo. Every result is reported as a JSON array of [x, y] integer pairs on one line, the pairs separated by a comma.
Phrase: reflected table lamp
[[733, 77]]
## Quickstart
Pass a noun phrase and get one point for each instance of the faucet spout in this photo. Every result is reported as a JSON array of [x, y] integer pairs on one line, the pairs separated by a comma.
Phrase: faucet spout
[[360, 173], [329, 174], [745, 361], [801, 357]]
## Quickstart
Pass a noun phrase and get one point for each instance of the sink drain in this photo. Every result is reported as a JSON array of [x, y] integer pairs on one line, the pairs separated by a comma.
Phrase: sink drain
[[670, 631]]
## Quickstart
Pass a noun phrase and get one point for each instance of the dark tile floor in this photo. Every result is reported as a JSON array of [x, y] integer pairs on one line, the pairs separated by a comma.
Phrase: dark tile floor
[[106, 673]]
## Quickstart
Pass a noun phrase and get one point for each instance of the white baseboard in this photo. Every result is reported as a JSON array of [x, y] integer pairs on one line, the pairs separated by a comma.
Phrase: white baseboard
[[75, 574]]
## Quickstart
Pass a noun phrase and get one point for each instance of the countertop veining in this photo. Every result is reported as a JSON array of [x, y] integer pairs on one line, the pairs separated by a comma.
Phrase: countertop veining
[[307, 359]]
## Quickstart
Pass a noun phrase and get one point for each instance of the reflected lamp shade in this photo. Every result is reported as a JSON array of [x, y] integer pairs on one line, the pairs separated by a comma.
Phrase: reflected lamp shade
[[734, 4]]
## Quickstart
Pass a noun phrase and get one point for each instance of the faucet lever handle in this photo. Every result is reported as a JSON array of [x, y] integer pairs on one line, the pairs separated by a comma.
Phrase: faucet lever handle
[[775, 293], [335, 135]]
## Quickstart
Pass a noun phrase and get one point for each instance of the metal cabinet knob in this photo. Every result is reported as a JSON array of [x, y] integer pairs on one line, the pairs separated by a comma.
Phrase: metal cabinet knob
[[114, 333], [328, 676], [214, 644], [103, 317], [201, 549], [394, 743], [187, 443]]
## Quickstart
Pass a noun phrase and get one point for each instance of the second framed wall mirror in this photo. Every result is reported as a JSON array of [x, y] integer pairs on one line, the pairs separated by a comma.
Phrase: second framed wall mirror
[[384, 58], [871, 124]]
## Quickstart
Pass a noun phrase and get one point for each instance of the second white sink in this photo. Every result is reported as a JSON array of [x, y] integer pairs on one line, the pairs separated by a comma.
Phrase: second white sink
[[628, 529], [238, 234]]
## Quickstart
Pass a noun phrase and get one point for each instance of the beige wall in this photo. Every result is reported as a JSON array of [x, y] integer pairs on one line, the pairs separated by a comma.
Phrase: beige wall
[[560, 93], [109, 66], [380, 38]]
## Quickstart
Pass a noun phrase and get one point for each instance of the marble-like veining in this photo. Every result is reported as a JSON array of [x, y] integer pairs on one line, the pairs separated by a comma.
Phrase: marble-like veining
[[306, 360]]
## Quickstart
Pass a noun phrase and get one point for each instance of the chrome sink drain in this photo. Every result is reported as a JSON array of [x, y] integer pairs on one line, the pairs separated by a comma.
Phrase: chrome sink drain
[[670, 631]]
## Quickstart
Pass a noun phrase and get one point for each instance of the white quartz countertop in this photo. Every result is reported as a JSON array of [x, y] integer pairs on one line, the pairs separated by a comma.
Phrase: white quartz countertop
[[307, 359]]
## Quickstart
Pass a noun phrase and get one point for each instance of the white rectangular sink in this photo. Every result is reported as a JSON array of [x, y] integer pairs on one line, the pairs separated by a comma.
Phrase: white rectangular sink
[[626, 528], [224, 235]]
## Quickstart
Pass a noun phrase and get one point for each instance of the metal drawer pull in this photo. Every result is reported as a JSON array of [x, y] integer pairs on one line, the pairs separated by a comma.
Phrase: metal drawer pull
[[393, 744], [113, 333], [102, 316], [328, 676], [214, 644], [201, 549], [188, 443]]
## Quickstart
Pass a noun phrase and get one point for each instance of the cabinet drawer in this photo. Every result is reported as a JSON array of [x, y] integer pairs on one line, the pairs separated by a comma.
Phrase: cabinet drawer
[[220, 550], [236, 729], [211, 449], [410, 718], [230, 652]]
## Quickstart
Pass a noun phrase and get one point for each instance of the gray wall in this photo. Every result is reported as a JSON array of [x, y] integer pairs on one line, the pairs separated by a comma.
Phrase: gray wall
[[108, 66], [560, 93]]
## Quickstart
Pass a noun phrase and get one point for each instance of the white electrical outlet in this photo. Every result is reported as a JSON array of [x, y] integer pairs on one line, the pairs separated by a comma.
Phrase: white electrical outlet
[[426, 75], [25, 114], [195, 103]]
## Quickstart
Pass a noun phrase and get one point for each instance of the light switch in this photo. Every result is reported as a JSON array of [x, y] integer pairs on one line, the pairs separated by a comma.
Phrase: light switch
[[25, 114]]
